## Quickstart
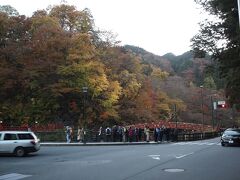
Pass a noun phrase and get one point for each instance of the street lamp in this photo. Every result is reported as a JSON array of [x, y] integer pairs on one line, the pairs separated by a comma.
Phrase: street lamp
[[202, 109], [84, 90]]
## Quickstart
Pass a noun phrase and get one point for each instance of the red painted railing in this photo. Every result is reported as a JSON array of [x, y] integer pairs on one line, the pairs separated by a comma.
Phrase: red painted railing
[[167, 124], [179, 125], [38, 128]]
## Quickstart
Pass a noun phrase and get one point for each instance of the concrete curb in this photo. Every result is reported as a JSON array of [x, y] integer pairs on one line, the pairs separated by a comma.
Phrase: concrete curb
[[100, 143]]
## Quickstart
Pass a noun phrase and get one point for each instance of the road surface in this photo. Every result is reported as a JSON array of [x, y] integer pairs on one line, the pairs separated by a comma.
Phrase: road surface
[[197, 160]]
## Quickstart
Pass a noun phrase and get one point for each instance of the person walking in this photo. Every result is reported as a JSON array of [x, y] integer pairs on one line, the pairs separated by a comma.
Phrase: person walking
[[100, 134], [140, 134], [119, 134], [136, 133], [147, 133], [114, 133], [163, 135], [156, 134], [68, 134], [80, 134], [124, 130], [130, 134]]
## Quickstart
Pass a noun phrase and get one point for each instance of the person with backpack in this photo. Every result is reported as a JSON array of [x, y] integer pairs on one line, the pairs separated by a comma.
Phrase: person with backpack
[[108, 132], [119, 134], [68, 134]]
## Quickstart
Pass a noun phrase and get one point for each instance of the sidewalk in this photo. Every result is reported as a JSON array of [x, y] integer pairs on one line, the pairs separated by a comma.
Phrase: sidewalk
[[100, 143]]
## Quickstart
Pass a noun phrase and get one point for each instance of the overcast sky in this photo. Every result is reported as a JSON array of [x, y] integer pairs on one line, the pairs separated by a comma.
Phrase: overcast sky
[[158, 26]]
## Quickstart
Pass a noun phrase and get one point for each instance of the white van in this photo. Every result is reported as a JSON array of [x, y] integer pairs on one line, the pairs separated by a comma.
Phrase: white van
[[19, 143]]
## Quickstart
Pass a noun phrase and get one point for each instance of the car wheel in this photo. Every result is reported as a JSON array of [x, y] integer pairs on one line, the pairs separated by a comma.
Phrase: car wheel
[[223, 144], [19, 152]]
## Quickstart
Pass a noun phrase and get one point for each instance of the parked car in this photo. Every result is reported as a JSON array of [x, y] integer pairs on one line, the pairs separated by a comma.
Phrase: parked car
[[19, 143], [230, 137]]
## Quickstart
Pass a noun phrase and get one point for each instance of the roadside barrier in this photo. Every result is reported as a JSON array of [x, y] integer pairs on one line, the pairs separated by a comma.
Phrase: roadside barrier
[[92, 136]]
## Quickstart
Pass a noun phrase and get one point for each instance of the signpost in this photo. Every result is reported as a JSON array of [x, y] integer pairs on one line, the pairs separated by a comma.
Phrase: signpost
[[221, 104]]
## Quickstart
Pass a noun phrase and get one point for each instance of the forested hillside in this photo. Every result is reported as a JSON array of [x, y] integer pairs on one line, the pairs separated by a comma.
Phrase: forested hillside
[[187, 74], [56, 66]]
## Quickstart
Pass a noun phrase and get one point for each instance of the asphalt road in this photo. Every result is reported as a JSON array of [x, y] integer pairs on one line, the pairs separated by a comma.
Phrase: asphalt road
[[198, 160]]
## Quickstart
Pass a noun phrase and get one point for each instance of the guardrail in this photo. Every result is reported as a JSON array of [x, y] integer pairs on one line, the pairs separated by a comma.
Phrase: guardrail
[[197, 136], [91, 136]]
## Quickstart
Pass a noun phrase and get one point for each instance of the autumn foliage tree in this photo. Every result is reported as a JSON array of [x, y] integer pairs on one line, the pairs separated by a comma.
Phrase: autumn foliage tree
[[220, 36], [46, 60]]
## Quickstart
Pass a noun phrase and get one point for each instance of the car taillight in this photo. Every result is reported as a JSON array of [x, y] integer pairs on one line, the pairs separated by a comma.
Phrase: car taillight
[[33, 142]]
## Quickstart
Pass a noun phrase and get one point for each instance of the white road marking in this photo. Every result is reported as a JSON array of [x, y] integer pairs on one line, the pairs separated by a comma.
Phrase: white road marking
[[173, 170], [182, 156], [196, 143], [156, 157], [193, 143], [84, 163], [211, 144], [13, 176], [200, 144]]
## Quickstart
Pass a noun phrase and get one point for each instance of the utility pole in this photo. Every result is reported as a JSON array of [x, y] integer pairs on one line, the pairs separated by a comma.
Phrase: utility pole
[[233, 113], [212, 108], [176, 120], [202, 109], [239, 12], [175, 115], [85, 91]]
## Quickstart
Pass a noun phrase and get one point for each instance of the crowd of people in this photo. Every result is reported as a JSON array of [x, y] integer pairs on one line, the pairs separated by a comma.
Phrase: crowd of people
[[125, 134], [135, 134]]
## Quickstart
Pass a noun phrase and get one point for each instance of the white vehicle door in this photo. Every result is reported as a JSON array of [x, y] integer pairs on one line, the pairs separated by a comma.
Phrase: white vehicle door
[[9, 142]]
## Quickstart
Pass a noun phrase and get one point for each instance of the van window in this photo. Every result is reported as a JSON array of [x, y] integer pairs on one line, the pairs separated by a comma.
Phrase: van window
[[25, 136], [9, 136], [0, 136]]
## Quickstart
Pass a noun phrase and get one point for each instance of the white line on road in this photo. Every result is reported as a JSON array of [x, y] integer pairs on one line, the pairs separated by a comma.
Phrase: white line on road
[[13, 176], [196, 143], [211, 144], [156, 157], [179, 157]]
